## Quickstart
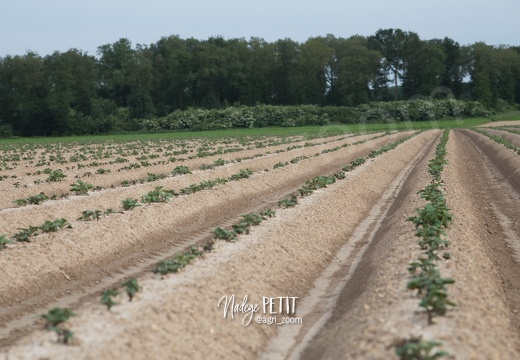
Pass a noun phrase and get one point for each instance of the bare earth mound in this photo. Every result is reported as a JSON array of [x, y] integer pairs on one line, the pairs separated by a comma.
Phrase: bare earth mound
[[342, 253]]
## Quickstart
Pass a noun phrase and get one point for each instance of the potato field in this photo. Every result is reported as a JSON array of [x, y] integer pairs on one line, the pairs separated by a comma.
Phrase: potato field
[[380, 245]]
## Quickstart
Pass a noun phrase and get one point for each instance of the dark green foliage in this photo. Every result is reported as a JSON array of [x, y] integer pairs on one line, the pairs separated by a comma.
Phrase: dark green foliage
[[106, 298], [158, 195], [36, 200], [181, 170], [53, 226], [243, 174], [416, 349], [130, 204], [56, 175], [224, 234], [56, 317], [88, 215], [288, 202], [4, 241], [131, 288], [267, 213], [178, 262], [347, 77], [24, 234], [252, 218], [241, 228], [80, 187]]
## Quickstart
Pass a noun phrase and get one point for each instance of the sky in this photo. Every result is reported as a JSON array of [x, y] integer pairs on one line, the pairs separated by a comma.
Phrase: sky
[[45, 26]]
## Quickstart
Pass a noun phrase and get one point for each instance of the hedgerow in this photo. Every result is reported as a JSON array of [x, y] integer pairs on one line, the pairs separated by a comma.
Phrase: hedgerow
[[304, 115]]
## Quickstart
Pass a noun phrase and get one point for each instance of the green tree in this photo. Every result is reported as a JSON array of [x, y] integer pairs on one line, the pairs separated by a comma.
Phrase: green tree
[[390, 43], [287, 88], [358, 67], [23, 94], [171, 60], [216, 72], [484, 74], [454, 66], [126, 76], [314, 58], [423, 66]]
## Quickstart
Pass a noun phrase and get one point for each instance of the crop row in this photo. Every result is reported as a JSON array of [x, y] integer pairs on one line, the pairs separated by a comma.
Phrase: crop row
[[82, 188], [141, 151], [58, 175], [157, 195], [430, 224], [500, 140], [182, 259]]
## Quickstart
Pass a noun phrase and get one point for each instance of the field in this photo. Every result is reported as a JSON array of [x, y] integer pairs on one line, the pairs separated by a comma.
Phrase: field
[[370, 241]]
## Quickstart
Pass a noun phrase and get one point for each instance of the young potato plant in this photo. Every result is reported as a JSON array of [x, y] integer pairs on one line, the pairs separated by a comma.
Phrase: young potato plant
[[130, 204], [80, 187], [55, 175], [180, 261], [158, 195], [280, 164], [131, 288], [106, 298], [223, 234], [24, 235], [102, 171], [267, 213], [417, 349], [193, 188], [56, 317], [53, 226], [241, 228], [154, 177], [340, 175], [181, 170], [4, 241], [36, 199], [88, 215], [288, 201], [243, 174], [432, 286], [252, 218], [305, 190], [209, 246], [354, 164]]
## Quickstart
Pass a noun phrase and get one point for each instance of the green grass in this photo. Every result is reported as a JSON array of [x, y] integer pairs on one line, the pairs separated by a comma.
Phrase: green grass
[[286, 131], [513, 115]]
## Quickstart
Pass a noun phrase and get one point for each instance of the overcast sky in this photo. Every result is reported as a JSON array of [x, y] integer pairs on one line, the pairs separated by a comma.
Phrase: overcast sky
[[45, 26]]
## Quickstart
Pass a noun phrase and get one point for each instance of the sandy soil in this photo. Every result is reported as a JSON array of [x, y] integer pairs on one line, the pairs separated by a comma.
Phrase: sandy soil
[[501, 123], [343, 251], [282, 256], [513, 138], [114, 179], [374, 311], [93, 252]]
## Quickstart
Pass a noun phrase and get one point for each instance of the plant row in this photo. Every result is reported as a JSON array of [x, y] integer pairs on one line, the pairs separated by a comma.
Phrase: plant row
[[82, 188], [25, 234], [430, 224], [56, 317], [499, 140], [326, 151], [164, 149]]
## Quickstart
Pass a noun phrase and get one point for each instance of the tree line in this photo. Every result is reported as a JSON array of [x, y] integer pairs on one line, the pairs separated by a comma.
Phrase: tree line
[[75, 93]]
